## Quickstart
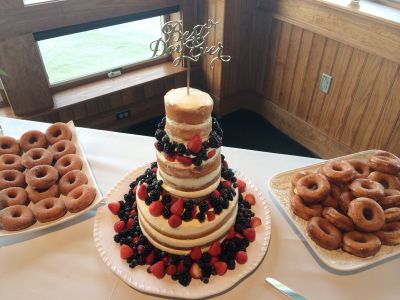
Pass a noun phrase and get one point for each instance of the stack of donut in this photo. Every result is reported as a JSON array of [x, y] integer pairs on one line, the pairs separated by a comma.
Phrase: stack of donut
[[41, 178], [351, 204]]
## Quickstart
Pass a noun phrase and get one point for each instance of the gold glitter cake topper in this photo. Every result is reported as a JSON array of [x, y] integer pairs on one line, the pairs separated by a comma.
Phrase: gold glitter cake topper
[[189, 45]]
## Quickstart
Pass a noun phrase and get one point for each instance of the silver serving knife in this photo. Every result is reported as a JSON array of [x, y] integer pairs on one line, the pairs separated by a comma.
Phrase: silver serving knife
[[284, 289]]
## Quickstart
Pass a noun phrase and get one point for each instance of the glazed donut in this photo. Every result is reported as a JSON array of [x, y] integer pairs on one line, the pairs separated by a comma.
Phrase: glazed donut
[[35, 157], [366, 214], [389, 234], [11, 162], [13, 196], [342, 222], [72, 180], [32, 139], [390, 199], [361, 244], [312, 188], [303, 211], [367, 188], [41, 177], [36, 195], [49, 209], [297, 176], [11, 178], [16, 217], [361, 167], [388, 181], [80, 198], [392, 214], [57, 132], [62, 148], [9, 145], [338, 171], [385, 162], [344, 201], [68, 163], [324, 234]]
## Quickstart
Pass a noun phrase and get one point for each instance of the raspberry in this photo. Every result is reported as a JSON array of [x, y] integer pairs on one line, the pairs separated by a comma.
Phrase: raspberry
[[213, 260], [250, 234], [119, 226], [158, 269], [250, 199], [181, 267], [255, 222], [129, 224], [211, 153], [231, 233], [156, 208], [125, 252], [241, 185], [195, 144], [149, 258], [174, 221], [220, 267], [170, 270], [184, 159], [210, 216], [226, 183], [216, 194], [177, 207], [195, 253], [142, 193], [195, 271], [241, 257], [114, 207], [215, 249]]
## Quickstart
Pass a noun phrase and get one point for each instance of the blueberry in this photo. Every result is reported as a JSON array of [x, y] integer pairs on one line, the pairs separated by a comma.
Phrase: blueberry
[[197, 161], [165, 139], [181, 149]]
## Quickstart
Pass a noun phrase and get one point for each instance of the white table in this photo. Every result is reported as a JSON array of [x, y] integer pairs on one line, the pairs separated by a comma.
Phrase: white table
[[62, 263]]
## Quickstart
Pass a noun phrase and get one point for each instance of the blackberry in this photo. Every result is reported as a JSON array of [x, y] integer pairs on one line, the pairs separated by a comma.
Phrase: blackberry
[[206, 145], [247, 204], [169, 149], [148, 201], [133, 263], [201, 217], [205, 279], [162, 123], [165, 139], [206, 270], [166, 213], [214, 201], [187, 152], [203, 206], [225, 204], [154, 195], [174, 259], [153, 164], [141, 260], [197, 161], [143, 240], [205, 257], [238, 227], [117, 238], [217, 209], [181, 149], [185, 279], [187, 215], [189, 204], [159, 134], [231, 264], [175, 277], [166, 199], [214, 143], [133, 184]]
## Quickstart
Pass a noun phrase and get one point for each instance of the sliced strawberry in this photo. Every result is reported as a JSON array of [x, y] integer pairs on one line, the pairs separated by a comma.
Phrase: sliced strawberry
[[241, 257], [210, 216], [170, 270], [211, 153], [241, 185], [119, 226], [181, 267], [195, 253], [174, 221], [178, 207], [170, 157], [195, 271], [255, 222], [156, 208], [184, 159], [114, 207], [158, 269], [125, 252], [250, 198], [250, 234], [142, 193], [216, 194], [215, 249], [129, 224], [195, 144], [213, 260], [226, 183], [220, 267], [149, 258], [231, 233]]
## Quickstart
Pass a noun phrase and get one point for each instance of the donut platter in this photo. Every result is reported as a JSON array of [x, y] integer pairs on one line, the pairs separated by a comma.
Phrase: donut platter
[[74, 182], [339, 260]]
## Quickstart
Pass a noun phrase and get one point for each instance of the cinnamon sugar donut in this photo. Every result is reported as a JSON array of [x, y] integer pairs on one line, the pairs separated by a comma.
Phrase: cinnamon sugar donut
[[16, 217], [36, 195], [62, 148], [303, 211], [9, 145], [385, 162], [388, 181], [11, 178], [392, 214], [35, 157], [324, 234], [361, 167], [57, 132], [68, 163], [338, 171], [332, 200], [366, 214], [361, 244], [13, 196], [49, 209], [390, 199], [389, 234], [41, 177], [32, 139], [297, 176], [10, 162], [344, 201], [72, 180], [313, 188], [367, 188], [336, 218], [80, 198]]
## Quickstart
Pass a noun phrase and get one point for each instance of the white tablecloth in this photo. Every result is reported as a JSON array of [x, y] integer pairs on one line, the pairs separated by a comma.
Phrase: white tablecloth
[[62, 263]]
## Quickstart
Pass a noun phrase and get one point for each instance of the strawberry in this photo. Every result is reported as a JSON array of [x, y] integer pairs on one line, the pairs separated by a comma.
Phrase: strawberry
[[241, 185], [255, 222], [211, 153], [195, 253], [241, 257], [250, 198], [216, 194], [125, 252], [213, 260], [154, 169], [114, 207], [195, 144], [181, 267], [184, 159], [210, 216], [134, 190], [250, 234], [231, 233], [177, 207], [133, 212], [194, 212], [170, 270], [140, 249], [195, 271], [142, 193], [158, 269], [170, 157], [119, 226], [149, 258], [166, 259], [215, 249], [208, 203], [174, 221], [238, 235], [129, 224], [156, 208], [220, 267], [135, 239], [226, 183]]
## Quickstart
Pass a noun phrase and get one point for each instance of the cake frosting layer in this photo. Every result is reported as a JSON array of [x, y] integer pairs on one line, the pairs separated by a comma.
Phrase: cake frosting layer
[[183, 132]]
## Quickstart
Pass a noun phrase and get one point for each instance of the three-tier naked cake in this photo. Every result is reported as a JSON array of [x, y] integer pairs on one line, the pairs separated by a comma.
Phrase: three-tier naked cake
[[187, 215]]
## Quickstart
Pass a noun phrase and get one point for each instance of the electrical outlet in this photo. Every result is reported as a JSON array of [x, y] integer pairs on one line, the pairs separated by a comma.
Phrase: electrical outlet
[[325, 83], [123, 114]]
